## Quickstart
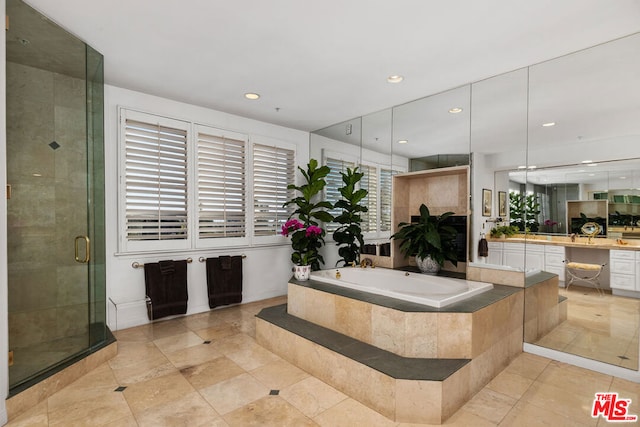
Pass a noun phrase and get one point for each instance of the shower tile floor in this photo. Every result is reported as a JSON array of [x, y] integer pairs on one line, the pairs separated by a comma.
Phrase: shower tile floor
[[166, 374]]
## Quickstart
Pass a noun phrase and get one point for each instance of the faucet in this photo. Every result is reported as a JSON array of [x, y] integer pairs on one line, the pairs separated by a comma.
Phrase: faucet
[[366, 262], [573, 237], [353, 263]]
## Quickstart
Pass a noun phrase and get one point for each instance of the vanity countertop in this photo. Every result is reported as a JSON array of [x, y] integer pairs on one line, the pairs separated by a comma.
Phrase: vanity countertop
[[580, 242]]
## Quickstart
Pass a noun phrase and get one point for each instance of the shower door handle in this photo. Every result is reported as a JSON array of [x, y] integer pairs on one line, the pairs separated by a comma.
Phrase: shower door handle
[[87, 249]]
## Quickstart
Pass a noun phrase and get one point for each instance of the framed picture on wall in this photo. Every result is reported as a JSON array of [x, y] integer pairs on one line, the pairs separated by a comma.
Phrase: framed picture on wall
[[502, 203], [486, 202]]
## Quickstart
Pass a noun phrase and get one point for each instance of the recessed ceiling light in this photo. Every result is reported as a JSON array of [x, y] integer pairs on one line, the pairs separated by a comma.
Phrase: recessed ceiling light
[[623, 177], [37, 175], [251, 95], [455, 110], [548, 124], [522, 167], [592, 174], [532, 167], [587, 161], [395, 79], [402, 141], [592, 164]]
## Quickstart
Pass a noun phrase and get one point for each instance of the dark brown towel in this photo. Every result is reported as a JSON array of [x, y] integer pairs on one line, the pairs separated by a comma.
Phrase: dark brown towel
[[167, 267], [224, 285], [483, 247], [167, 291]]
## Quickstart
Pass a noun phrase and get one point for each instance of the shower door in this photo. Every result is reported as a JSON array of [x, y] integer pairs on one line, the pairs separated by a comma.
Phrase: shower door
[[55, 208]]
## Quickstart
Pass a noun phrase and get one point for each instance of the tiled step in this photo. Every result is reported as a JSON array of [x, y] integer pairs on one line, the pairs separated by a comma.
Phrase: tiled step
[[412, 390]]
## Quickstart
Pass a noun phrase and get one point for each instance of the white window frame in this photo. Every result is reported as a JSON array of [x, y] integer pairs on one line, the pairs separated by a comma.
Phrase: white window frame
[[217, 242], [276, 239], [146, 245], [193, 242]]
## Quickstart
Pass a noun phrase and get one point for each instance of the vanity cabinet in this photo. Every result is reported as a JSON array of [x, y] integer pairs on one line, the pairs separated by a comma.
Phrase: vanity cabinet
[[623, 266], [495, 253], [513, 255], [517, 256], [554, 257]]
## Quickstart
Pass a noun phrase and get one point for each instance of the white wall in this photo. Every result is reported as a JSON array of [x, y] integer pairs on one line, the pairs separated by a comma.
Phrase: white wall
[[266, 269], [4, 309]]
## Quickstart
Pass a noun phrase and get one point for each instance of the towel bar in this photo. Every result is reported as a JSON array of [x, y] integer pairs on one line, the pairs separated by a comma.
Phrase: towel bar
[[203, 259], [136, 264]]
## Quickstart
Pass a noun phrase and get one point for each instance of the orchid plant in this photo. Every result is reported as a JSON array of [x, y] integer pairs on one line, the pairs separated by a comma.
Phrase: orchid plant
[[307, 237]]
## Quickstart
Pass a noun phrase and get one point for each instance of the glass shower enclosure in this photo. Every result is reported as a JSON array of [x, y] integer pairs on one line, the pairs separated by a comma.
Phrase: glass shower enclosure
[[55, 210]]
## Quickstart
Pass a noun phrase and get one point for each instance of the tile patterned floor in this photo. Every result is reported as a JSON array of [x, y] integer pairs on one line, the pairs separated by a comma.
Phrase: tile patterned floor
[[600, 327], [173, 378]]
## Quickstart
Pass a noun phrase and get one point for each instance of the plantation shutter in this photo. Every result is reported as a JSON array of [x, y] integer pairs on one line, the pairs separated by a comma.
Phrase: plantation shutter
[[274, 168], [386, 176], [155, 181], [334, 183], [369, 182], [221, 185]]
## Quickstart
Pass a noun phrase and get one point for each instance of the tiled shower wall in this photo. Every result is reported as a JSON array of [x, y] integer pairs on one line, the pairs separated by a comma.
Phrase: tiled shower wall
[[48, 292]]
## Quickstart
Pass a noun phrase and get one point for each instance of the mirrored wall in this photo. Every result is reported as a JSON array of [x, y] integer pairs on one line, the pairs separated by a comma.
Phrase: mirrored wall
[[562, 133]]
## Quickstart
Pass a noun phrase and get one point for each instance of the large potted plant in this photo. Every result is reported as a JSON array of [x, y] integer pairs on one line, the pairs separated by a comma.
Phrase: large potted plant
[[429, 239], [349, 235], [307, 237]]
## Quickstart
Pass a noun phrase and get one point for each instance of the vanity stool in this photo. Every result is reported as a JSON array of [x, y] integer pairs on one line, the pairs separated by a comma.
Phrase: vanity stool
[[586, 272]]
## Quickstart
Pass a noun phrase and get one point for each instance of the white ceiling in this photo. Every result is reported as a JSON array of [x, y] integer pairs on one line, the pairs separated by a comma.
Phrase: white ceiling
[[323, 62]]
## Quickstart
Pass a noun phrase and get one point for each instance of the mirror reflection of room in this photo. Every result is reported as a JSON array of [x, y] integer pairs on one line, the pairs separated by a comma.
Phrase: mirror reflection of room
[[581, 169]]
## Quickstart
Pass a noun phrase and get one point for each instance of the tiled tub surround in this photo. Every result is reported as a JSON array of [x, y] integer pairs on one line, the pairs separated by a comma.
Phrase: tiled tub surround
[[544, 308], [485, 330]]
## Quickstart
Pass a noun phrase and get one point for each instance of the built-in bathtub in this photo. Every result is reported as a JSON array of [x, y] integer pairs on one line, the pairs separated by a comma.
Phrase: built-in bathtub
[[433, 291]]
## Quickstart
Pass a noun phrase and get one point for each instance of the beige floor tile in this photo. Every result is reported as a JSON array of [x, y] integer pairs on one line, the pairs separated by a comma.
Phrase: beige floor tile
[[252, 357], [279, 374], [188, 410], [216, 332], [144, 370], [131, 353], [135, 334], [234, 393], [127, 421], [156, 391], [255, 307], [549, 397], [490, 405], [97, 411], [510, 384], [528, 365], [202, 320], [461, 418], [574, 380], [166, 328], [312, 396], [34, 417], [350, 413], [270, 411], [192, 356], [525, 414], [211, 372], [178, 342], [234, 343]]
